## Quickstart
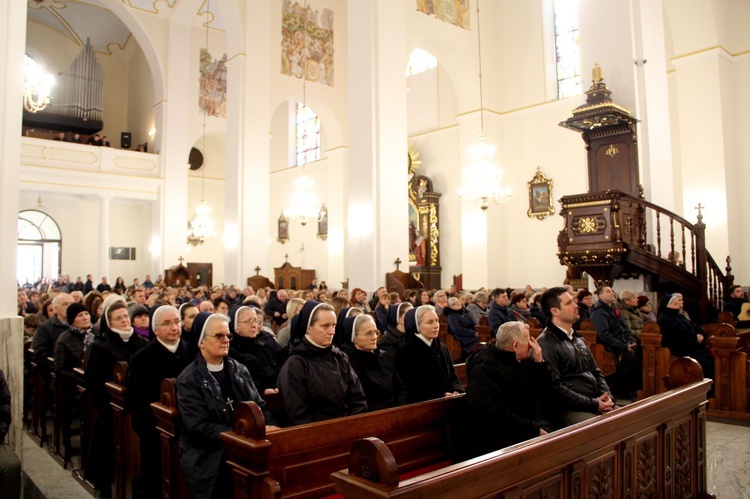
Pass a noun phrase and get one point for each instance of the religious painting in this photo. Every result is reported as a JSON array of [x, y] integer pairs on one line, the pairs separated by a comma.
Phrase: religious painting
[[455, 12], [323, 223], [212, 98], [283, 229], [424, 231], [540, 196], [417, 242], [307, 42]]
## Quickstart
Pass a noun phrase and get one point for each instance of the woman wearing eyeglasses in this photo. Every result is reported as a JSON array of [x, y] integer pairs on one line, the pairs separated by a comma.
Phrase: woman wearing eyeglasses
[[317, 381], [116, 342], [377, 375], [424, 363], [208, 390], [164, 357], [252, 349]]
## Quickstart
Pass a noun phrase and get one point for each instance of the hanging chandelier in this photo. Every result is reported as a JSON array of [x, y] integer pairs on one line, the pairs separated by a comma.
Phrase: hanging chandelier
[[303, 201], [201, 226], [37, 86], [483, 178]]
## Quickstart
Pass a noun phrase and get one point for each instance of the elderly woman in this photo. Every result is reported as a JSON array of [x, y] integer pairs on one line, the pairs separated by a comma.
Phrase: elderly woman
[[165, 357], [682, 336], [441, 301], [317, 382], [478, 308], [254, 350], [629, 313], [519, 305], [395, 336], [116, 342], [461, 326], [424, 363], [374, 367], [208, 390]]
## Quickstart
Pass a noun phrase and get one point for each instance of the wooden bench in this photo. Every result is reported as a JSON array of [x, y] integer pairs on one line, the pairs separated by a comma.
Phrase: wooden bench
[[732, 373], [654, 447], [127, 443], [297, 461], [450, 341], [88, 419]]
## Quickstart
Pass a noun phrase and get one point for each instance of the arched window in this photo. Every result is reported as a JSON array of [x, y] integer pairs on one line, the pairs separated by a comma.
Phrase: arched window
[[39, 247], [567, 50], [420, 61], [308, 135]]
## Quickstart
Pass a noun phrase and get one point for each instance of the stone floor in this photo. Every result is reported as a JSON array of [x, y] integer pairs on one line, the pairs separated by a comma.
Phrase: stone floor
[[728, 463]]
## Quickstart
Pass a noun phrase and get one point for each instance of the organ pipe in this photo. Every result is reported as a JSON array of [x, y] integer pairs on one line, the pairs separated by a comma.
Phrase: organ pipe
[[82, 88]]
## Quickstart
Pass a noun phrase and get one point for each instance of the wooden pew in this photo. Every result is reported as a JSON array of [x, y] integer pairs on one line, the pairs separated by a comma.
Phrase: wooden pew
[[38, 429], [127, 443], [483, 330], [88, 419], [655, 446], [463, 377], [604, 359], [453, 345], [60, 411], [656, 361], [169, 426], [297, 461], [732, 374]]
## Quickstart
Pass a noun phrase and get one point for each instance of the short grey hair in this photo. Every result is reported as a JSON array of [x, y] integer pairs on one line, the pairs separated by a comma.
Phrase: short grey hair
[[508, 332], [627, 294], [481, 297], [452, 301]]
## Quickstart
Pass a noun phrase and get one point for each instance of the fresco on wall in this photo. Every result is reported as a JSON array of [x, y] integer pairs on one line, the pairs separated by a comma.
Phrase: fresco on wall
[[313, 55], [451, 11], [212, 98]]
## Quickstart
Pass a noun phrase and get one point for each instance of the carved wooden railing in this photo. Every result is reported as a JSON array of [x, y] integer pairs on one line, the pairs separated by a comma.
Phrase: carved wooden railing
[[611, 229]]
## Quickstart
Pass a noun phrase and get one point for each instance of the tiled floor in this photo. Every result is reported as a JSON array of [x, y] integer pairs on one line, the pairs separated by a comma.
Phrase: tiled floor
[[728, 455]]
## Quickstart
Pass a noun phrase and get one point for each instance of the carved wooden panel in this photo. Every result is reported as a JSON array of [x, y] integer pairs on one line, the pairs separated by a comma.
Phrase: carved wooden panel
[[684, 461], [647, 457], [550, 488], [600, 477]]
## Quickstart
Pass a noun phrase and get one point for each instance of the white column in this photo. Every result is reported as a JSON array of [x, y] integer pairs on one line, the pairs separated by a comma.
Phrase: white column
[[337, 216], [655, 134], [103, 264], [248, 148], [175, 147], [13, 28], [707, 169], [376, 64]]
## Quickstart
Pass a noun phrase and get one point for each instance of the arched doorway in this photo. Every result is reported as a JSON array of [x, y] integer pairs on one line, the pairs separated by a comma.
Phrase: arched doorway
[[39, 247]]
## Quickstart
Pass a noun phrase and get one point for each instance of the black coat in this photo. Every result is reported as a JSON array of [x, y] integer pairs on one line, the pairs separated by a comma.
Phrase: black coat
[[68, 352], [680, 335], [45, 337], [536, 312], [318, 384], [149, 366], [610, 329], [5, 412], [497, 315], [462, 328], [205, 414], [392, 340], [377, 375], [576, 379], [276, 305], [427, 371], [507, 394], [260, 358]]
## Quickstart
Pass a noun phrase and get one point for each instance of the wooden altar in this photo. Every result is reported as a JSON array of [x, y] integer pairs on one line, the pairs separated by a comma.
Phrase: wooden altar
[[177, 275], [424, 232], [290, 277]]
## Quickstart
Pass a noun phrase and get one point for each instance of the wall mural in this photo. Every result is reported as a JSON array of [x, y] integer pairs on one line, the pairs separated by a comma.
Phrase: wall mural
[[313, 55], [212, 98], [451, 11]]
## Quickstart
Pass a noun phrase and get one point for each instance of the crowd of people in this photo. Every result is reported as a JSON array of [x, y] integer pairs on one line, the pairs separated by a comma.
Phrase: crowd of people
[[329, 354]]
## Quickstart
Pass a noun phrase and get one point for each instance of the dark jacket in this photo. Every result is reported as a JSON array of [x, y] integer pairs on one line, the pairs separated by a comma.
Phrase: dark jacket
[[610, 330], [205, 413], [68, 352], [149, 366], [392, 340], [427, 371], [576, 379], [276, 305], [381, 318], [680, 335], [45, 337], [538, 314], [377, 375], [105, 352], [319, 384], [462, 328], [497, 315], [5, 412], [259, 357], [506, 393]]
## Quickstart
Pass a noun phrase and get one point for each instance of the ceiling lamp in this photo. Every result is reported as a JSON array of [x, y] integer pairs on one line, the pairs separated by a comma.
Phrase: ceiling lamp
[[37, 86], [201, 226], [304, 202], [483, 178]]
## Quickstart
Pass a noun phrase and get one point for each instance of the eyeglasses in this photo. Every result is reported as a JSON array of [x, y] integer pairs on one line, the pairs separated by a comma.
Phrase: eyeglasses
[[250, 321], [370, 334], [175, 322], [221, 336]]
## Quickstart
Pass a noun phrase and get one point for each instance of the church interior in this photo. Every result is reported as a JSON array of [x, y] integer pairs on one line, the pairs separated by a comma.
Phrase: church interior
[[246, 134]]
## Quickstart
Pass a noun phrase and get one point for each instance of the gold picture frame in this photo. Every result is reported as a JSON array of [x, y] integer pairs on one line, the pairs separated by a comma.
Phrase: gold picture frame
[[540, 196], [283, 229]]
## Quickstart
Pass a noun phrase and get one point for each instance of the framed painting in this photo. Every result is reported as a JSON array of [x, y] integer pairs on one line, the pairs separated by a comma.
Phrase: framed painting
[[283, 232], [540, 196], [323, 223]]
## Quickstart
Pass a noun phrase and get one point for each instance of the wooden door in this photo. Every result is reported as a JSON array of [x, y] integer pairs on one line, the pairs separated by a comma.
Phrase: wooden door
[[201, 273]]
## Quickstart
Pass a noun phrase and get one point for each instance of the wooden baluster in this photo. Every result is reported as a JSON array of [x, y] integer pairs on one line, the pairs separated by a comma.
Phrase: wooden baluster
[[672, 257], [684, 254], [692, 252], [658, 234]]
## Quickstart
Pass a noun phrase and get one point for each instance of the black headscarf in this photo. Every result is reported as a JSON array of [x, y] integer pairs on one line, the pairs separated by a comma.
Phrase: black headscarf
[[339, 337], [304, 319]]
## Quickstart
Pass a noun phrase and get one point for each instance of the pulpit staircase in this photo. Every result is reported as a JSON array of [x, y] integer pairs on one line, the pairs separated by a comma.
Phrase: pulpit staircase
[[606, 234]]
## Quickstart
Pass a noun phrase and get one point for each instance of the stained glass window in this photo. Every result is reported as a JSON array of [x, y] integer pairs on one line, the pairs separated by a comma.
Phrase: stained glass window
[[420, 61], [567, 49], [308, 135]]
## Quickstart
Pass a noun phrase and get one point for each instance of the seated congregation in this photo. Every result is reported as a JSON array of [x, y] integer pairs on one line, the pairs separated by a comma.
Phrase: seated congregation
[[165, 407]]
